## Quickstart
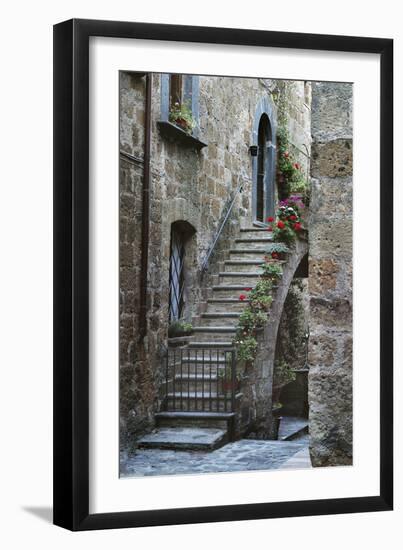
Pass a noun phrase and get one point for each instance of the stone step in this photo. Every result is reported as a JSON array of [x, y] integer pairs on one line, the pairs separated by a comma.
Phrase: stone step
[[231, 291], [196, 377], [291, 427], [209, 343], [258, 239], [225, 318], [234, 305], [199, 401], [197, 361], [196, 419], [224, 291], [247, 253], [256, 242], [243, 265], [253, 229], [215, 357], [246, 278], [213, 329], [188, 383], [194, 439], [243, 262], [221, 315], [195, 372], [214, 334]]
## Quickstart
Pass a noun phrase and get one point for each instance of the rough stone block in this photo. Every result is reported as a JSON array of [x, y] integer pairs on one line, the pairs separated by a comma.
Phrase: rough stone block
[[332, 159]]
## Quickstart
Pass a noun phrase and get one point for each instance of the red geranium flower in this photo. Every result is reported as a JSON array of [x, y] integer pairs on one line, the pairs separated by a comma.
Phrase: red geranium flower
[[286, 154], [280, 224], [242, 297], [297, 226], [297, 166], [293, 218], [247, 289], [270, 219], [274, 255]]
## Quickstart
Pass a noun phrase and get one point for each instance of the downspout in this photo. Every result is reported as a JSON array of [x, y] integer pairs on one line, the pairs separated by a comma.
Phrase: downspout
[[145, 220]]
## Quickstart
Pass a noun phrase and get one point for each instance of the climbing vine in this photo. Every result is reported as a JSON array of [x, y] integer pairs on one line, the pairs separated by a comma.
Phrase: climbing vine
[[290, 173], [255, 315]]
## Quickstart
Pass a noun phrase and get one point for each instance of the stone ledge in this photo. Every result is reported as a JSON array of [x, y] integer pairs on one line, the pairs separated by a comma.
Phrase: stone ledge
[[174, 133]]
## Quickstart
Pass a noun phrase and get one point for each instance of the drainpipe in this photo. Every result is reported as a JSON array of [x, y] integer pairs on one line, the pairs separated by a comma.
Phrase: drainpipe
[[145, 220]]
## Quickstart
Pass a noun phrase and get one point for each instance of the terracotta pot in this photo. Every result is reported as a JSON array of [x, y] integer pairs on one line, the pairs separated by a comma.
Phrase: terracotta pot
[[182, 123], [280, 179], [228, 385]]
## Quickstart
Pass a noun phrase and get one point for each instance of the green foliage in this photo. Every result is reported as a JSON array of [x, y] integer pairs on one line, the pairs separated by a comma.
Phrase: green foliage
[[255, 315], [285, 234], [282, 374], [297, 185], [288, 168], [279, 247], [251, 319], [179, 328], [260, 297], [181, 115], [272, 271], [247, 348]]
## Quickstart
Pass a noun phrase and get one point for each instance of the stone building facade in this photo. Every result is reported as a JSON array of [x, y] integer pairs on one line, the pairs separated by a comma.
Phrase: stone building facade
[[194, 178], [330, 275]]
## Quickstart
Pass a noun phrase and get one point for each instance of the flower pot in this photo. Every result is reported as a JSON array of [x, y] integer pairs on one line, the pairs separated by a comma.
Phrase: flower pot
[[182, 123], [297, 196], [229, 385]]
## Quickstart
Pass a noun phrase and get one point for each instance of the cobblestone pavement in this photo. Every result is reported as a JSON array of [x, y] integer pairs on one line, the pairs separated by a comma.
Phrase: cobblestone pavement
[[243, 455]]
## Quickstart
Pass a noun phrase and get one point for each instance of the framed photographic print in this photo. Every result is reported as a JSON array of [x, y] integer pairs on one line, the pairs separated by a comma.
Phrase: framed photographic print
[[223, 274]]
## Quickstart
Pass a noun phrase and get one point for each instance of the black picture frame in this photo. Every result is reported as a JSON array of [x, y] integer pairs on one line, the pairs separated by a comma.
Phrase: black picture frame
[[71, 274]]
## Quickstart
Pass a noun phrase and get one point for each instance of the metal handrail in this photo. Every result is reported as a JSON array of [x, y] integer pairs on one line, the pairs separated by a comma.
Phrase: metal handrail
[[210, 251]]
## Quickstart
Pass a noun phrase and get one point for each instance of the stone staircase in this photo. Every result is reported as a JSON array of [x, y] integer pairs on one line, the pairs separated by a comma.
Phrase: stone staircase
[[198, 417]]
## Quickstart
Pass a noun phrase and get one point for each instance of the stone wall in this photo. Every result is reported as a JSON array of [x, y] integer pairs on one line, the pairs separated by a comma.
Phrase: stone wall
[[292, 341], [193, 186], [330, 276]]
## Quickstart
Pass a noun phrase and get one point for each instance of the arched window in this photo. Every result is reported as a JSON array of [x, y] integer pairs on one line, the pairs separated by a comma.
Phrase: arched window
[[184, 90], [181, 237]]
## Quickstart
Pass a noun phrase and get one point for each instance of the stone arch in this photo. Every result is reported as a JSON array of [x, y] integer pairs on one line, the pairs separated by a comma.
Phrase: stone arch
[[264, 362], [182, 254], [179, 213], [265, 110]]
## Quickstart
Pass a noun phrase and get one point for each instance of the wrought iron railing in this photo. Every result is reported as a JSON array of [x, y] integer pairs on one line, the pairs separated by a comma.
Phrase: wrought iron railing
[[224, 218], [200, 380]]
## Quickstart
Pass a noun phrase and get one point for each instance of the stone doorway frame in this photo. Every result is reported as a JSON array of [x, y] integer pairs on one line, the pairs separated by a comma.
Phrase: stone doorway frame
[[265, 108]]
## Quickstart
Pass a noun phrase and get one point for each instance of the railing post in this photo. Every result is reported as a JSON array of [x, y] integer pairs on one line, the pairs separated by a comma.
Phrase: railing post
[[166, 362], [233, 379]]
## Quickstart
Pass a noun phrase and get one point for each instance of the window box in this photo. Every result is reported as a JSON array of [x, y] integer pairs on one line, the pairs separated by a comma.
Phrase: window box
[[175, 133]]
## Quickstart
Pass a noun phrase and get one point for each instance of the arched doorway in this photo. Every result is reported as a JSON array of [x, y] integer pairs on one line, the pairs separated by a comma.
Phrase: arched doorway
[[264, 140], [263, 164]]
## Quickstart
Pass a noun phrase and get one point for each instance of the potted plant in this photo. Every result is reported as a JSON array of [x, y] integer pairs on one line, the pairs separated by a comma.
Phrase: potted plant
[[227, 383], [179, 328], [277, 250], [181, 115]]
